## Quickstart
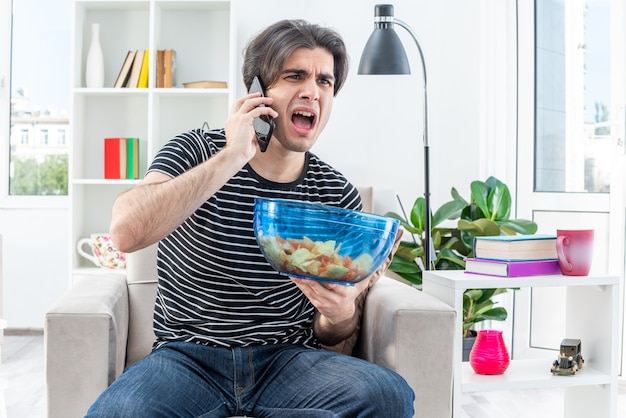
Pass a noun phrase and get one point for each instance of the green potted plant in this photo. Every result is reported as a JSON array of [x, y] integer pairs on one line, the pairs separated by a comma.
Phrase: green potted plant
[[487, 212], [479, 306]]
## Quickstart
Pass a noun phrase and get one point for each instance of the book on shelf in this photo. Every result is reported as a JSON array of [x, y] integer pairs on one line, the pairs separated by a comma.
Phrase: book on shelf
[[165, 68], [170, 68], [205, 84], [503, 268], [132, 153], [143, 74], [160, 68], [121, 158], [133, 79], [123, 75], [516, 247], [115, 155]]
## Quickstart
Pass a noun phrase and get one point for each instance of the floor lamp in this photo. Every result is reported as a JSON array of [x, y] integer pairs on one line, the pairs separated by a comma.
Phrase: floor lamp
[[384, 54]]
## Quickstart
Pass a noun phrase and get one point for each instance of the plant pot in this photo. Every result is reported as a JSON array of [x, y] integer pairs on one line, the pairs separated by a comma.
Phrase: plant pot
[[468, 343]]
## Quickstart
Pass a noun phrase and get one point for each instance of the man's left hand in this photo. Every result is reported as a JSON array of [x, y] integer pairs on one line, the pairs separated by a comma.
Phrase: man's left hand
[[333, 301]]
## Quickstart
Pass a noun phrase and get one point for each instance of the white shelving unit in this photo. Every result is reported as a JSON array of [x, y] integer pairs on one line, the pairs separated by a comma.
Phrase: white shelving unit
[[592, 315], [201, 33]]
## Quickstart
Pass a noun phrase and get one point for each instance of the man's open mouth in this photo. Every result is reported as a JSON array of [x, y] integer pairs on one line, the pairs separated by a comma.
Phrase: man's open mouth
[[303, 120]]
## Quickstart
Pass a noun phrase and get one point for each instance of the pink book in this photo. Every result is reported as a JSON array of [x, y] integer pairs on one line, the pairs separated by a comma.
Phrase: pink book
[[504, 268]]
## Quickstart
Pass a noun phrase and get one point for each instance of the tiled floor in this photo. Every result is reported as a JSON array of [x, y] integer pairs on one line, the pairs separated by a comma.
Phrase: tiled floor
[[23, 384], [22, 376]]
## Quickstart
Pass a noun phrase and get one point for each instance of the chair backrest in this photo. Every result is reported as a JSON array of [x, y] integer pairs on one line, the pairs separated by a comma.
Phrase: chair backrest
[[141, 277]]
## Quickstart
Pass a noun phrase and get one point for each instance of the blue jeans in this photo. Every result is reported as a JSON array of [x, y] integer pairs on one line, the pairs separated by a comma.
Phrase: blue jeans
[[191, 380]]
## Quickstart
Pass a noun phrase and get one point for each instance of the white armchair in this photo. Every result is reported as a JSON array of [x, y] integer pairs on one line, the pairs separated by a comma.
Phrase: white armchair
[[104, 323]]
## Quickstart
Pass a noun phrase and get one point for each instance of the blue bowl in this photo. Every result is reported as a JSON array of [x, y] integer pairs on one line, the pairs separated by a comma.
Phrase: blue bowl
[[320, 242]]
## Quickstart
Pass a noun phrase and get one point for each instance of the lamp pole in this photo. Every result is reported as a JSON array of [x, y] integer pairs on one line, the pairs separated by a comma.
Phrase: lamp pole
[[428, 239], [384, 54]]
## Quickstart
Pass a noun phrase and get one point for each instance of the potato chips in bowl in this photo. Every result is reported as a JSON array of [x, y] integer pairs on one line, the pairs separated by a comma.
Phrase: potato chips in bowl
[[320, 242]]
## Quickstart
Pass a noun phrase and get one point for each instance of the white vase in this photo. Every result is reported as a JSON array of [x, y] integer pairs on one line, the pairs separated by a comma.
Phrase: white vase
[[94, 70]]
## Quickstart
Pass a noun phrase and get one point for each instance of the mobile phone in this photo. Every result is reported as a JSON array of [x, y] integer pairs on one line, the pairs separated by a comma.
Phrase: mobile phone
[[263, 125]]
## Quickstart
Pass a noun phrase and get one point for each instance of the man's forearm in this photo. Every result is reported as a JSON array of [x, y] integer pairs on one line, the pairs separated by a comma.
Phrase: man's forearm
[[153, 209]]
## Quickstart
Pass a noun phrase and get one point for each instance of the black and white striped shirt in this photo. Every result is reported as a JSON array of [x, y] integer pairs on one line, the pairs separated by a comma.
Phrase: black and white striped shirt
[[215, 287]]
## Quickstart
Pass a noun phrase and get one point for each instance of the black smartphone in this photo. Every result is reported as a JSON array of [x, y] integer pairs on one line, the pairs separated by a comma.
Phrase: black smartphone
[[264, 125]]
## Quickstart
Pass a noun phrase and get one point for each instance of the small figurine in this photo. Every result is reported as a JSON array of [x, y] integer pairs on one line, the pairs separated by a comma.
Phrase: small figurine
[[570, 358]]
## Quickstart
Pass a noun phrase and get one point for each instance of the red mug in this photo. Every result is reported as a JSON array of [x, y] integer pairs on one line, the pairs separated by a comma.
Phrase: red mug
[[574, 249]]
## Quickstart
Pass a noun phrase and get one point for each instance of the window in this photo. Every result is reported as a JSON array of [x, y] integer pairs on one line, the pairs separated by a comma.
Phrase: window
[[43, 134], [25, 135], [61, 137], [572, 111], [39, 86]]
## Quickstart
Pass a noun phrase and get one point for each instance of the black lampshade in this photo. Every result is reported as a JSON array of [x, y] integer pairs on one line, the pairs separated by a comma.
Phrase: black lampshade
[[383, 52]]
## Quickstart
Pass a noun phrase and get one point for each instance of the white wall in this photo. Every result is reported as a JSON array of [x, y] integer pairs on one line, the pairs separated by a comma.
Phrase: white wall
[[375, 133], [374, 136], [35, 263]]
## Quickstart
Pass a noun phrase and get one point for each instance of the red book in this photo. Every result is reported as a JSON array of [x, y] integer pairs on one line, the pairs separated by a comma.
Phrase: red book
[[503, 268], [115, 165]]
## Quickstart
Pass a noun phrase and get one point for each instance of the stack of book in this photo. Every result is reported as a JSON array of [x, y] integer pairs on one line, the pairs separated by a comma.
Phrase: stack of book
[[514, 256], [121, 158], [134, 71]]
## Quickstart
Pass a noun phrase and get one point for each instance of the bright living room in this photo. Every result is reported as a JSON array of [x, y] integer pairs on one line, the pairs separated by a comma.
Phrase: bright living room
[[477, 35]]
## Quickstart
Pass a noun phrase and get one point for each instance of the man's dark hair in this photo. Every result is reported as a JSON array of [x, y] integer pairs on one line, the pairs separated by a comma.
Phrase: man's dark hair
[[266, 53]]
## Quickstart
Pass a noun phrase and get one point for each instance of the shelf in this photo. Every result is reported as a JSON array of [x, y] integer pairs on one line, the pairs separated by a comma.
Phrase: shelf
[[81, 272], [181, 91], [591, 311], [154, 115], [117, 6], [106, 182], [528, 374], [177, 5], [110, 91], [88, 271], [458, 279]]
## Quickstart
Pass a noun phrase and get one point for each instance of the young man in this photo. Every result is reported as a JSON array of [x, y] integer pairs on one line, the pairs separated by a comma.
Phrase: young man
[[233, 336]]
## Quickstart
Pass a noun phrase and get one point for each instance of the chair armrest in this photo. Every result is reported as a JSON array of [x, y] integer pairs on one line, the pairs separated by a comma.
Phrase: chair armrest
[[412, 333], [85, 336]]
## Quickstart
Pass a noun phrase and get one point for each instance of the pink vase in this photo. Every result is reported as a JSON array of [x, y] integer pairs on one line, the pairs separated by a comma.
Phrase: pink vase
[[489, 354]]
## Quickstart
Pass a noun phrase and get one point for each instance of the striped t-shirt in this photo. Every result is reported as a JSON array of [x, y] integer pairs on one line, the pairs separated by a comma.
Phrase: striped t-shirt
[[215, 287]]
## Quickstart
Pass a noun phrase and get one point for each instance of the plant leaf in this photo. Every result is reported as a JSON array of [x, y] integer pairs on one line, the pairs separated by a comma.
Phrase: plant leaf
[[449, 210], [480, 194], [520, 226], [449, 255], [456, 196], [410, 228], [486, 295], [472, 212], [400, 265], [473, 294], [479, 227], [495, 314], [499, 201], [417, 213], [412, 278]]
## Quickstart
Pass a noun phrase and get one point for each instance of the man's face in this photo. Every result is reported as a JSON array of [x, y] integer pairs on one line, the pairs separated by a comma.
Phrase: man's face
[[303, 97]]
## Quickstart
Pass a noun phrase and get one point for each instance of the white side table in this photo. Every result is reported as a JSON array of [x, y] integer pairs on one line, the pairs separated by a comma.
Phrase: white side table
[[592, 315]]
